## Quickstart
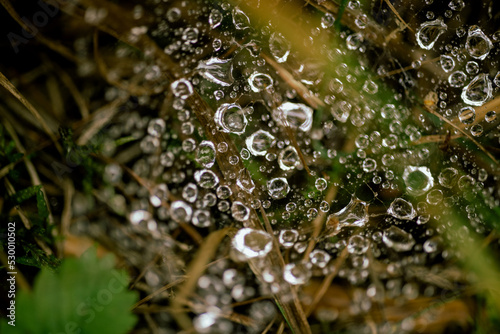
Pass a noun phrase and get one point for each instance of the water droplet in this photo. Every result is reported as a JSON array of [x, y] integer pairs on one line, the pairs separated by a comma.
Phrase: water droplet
[[476, 130], [190, 35], [205, 154], [418, 180], [279, 47], [297, 273], [369, 165], [278, 187], [182, 88], [321, 184], [218, 71], [429, 32], [327, 21], [231, 118], [240, 19], [354, 41], [355, 213], [467, 115], [447, 63], [260, 81], [180, 211], [457, 79], [478, 45], [448, 177], [156, 127], [402, 209], [239, 211], [202, 218], [288, 158], [259, 142], [357, 245], [319, 258], [288, 237], [478, 91], [206, 178], [434, 197], [190, 192], [456, 5], [215, 18], [250, 243], [472, 67], [295, 115], [490, 116], [397, 239]]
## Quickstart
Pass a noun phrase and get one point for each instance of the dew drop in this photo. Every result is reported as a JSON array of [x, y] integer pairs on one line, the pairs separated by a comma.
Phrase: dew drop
[[205, 154], [231, 118], [429, 32], [478, 45], [250, 243], [259, 81], [418, 180], [478, 91], [397, 239], [239, 211], [402, 209], [295, 115], [182, 88], [279, 47], [278, 187], [240, 19], [259, 142]]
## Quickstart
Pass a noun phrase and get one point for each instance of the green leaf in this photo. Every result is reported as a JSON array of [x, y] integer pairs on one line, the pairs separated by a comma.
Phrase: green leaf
[[86, 295], [23, 195], [43, 211], [124, 140]]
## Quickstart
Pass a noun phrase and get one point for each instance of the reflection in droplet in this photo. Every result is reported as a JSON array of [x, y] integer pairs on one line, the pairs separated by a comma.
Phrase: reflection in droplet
[[478, 45], [429, 32], [252, 243], [397, 239], [478, 91], [259, 142], [418, 180], [278, 187], [402, 209], [295, 115], [231, 118]]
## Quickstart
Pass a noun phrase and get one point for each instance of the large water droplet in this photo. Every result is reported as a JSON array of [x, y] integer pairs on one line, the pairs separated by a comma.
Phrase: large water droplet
[[447, 63], [240, 211], [218, 71], [215, 18], [353, 214], [231, 118], [448, 177], [182, 88], [279, 47], [288, 158], [397, 239], [288, 237], [295, 115], [478, 45], [297, 273], [259, 81], [240, 19], [319, 258], [429, 32], [181, 212], [259, 142], [358, 245], [250, 243], [205, 154], [418, 180], [457, 79], [206, 178], [478, 91], [402, 209], [467, 115], [278, 187]]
